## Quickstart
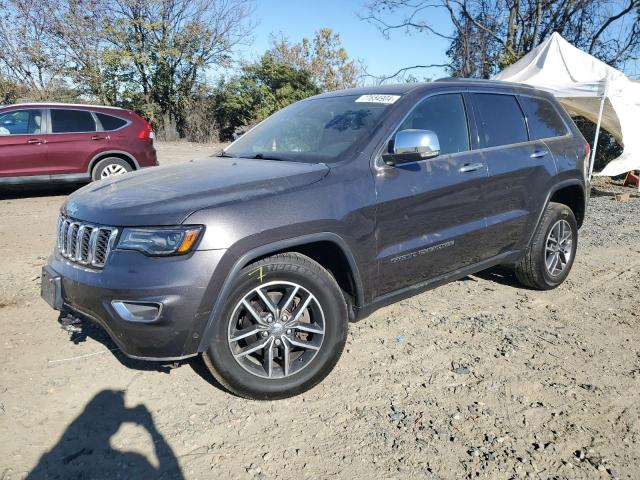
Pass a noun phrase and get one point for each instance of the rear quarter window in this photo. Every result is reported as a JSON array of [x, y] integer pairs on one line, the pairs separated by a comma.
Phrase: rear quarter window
[[72, 121], [501, 120], [109, 122], [542, 118]]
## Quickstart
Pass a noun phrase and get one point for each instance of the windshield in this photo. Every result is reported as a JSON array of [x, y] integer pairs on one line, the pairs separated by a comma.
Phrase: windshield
[[313, 131]]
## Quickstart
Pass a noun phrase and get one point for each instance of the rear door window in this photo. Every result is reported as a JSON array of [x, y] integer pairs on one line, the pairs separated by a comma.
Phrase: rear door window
[[445, 115], [501, 121], [109, 122], [21, 122], [72, 121], [542, 118]]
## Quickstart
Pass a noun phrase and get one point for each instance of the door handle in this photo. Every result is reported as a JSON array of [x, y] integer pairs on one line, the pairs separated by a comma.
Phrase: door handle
[[97, 137], [471, 167], [539, 153], [33, 141]]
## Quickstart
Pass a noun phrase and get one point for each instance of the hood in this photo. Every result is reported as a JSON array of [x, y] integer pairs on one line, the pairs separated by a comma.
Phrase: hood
[[166, 195]]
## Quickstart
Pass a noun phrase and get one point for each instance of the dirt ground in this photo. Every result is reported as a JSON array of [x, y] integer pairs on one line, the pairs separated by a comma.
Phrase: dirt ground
[[476, 379]]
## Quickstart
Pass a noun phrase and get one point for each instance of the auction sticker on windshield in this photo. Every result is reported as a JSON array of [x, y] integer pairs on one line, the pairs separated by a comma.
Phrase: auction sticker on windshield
[[386, 99]]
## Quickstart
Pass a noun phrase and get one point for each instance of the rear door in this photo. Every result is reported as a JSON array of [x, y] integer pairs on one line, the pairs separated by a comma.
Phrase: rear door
[[430, 215], [545, 124], [519, 169], [73, 140], [114, 130], [23, 150]]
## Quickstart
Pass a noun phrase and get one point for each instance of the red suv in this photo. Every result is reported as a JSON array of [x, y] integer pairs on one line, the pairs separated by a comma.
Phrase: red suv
[[48, 142]]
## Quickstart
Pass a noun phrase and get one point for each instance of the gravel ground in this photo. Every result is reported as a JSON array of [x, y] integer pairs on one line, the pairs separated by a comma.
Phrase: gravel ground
[[476, 379]]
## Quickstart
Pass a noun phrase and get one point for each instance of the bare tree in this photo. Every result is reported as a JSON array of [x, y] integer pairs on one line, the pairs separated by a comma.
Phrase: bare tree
[[26, 53], [170, 43], [148, 54], [487, 35]]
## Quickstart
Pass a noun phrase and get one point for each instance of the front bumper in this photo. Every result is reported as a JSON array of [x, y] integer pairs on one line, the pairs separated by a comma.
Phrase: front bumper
[[181, 284]]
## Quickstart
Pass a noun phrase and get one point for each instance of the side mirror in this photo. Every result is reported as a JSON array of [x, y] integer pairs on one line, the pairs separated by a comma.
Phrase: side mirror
[[413, 146]]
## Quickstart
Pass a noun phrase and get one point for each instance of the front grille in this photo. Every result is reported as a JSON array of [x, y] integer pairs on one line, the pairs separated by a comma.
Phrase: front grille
[[84, 243]]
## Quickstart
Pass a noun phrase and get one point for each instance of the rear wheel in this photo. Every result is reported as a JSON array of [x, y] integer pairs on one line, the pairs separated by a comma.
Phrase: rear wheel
[[549, 257], [283, 329], [110, 167]]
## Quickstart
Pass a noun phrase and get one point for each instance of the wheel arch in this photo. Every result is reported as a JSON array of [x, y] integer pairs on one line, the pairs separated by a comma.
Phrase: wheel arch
[[113, 153], [558, 191], [572, 195], [308, 245]]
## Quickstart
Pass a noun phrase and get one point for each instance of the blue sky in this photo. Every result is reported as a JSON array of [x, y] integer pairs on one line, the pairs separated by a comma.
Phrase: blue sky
[[362, 40], [296, 19]]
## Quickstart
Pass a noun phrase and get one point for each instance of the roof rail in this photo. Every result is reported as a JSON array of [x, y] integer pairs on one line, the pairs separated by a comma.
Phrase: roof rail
[[60, 104], [487, 81]]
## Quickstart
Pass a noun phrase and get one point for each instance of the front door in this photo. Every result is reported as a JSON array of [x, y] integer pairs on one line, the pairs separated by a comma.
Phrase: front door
[[23, 150], [430, 218]]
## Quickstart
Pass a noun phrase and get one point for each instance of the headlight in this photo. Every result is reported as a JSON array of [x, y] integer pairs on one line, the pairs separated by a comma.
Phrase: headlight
[[161, 240]]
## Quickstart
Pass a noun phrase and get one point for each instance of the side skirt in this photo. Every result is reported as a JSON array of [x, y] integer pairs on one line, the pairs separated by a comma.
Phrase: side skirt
[[40, 179], [410, 291]]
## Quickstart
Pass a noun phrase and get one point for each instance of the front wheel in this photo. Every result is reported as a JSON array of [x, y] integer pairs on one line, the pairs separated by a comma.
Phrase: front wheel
[[549, 257], [282, 331]]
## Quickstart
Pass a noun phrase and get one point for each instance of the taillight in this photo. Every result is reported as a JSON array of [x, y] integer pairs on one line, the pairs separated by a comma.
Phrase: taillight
[[146, 133]]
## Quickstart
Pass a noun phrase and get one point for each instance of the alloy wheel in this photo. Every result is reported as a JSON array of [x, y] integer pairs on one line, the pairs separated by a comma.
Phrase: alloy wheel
[[559, 247], [112, 170], [276, 330]]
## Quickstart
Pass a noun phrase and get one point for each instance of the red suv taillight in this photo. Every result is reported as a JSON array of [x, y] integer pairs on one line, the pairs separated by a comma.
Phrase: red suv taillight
[[146, 133]]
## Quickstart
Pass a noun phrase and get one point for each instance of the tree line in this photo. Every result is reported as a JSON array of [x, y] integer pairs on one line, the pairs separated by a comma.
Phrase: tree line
[[157, 57], [164, 58]]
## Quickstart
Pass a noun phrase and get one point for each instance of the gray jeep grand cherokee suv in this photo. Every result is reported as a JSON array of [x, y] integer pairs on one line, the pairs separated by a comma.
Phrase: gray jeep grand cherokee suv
[[331, 208]]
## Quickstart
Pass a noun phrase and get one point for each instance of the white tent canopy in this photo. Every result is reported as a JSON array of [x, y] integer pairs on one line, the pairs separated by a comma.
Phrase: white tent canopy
[[588, 87]]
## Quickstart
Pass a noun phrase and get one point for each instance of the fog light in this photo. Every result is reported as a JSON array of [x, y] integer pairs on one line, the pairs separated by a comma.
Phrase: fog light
[[137, 311]]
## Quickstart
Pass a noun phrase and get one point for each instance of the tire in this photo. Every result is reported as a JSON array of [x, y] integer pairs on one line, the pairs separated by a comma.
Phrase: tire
[[532, 269], [108, 167], [321, 305]]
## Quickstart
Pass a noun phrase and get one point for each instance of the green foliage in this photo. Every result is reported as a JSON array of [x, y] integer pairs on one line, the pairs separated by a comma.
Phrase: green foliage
[[261, 89]]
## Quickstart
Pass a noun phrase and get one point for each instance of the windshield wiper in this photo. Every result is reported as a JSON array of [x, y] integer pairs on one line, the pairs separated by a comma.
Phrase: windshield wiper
[[262, 156], [257, 156]]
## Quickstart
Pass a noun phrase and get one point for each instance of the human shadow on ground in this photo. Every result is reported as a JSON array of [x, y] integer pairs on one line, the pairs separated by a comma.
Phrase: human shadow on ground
[[84, 449]]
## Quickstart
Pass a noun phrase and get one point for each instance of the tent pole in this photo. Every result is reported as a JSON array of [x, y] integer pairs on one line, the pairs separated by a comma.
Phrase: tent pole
[[595, 140]]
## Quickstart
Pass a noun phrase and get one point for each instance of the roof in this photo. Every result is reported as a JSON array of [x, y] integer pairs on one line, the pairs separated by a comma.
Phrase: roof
[[58, 104], [391, 89], [404, 88]]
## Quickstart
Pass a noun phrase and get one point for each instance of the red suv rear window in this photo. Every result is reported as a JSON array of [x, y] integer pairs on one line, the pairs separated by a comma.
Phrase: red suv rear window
[[109, 122]]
